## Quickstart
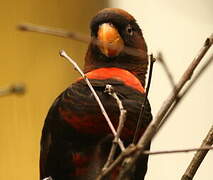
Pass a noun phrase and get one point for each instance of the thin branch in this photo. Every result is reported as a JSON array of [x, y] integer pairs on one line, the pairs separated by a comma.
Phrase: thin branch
[[192, 82], [54, 31], [200, 149], [48, 178], [109, 89], [198, 157], [160, 59], [139, 123], [64, 54], [152, 129], [134, 148], [13, 89]]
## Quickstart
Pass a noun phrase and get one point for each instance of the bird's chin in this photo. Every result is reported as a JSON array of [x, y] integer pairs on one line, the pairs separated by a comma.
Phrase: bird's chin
[[109, 58]]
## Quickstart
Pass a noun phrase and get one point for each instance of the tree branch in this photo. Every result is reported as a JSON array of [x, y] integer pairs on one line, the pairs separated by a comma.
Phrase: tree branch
[[200, 149], [126, 153], [152, 129], [134, 148], [54, 32], [186, 90], [64, 54], [152, 60], [198, 157], [166, 69], [48, 178], [109, 89], [13, 89]]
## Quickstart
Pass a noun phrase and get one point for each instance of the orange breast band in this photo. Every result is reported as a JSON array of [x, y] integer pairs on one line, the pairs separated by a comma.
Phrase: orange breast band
[[118, 74]]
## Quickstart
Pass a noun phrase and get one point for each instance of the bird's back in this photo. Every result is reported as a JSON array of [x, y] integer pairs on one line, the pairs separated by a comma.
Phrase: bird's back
[[76, 138]]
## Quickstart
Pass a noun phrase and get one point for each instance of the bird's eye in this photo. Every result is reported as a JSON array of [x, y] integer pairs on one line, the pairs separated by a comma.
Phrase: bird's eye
[[129, 30]]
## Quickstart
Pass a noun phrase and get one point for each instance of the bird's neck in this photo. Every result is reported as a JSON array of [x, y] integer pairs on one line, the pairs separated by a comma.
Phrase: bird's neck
[[137, 65]]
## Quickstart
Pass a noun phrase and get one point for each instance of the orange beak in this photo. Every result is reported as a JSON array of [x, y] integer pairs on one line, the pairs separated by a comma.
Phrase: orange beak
[[110, 41]]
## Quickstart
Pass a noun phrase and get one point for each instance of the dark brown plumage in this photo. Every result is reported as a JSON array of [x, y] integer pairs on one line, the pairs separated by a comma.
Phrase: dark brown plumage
[[76, 138]]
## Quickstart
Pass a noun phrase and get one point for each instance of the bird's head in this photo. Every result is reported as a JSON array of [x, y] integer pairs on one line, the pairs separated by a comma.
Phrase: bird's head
[[117, 41]]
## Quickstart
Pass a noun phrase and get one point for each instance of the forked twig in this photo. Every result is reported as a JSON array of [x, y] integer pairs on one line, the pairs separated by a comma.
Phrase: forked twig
[[152, 129], [126, 153], [109, 89], [198, 157], [64, 54]]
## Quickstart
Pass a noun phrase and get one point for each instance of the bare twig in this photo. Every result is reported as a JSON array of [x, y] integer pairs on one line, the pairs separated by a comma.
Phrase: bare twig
[[198, 157], [64, 54], [152, 129], [152, 60], [48, 178], [192, 82], [204, 148], [109, 89], [134, 148], [166, 68], [54, 31], [13, 89]]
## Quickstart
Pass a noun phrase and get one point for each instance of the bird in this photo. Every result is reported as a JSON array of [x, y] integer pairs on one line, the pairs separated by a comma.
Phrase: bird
[[76, 139]]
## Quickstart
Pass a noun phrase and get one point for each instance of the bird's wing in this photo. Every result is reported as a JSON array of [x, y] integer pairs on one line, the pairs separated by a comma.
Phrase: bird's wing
[[74, 125]]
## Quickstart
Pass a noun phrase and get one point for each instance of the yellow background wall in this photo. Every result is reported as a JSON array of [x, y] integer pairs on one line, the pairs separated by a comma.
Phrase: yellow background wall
[[33, 59]]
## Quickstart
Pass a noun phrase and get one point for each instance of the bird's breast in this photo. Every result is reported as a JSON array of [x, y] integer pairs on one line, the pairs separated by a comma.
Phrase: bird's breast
[[118, 74], [80, 109]]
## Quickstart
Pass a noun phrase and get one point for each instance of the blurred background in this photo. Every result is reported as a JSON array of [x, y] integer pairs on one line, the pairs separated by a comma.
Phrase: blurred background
[[33, 59], [177, 28]]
